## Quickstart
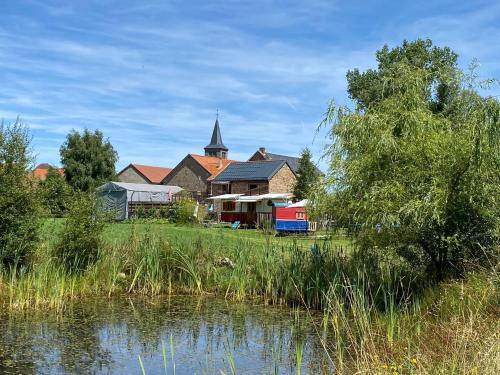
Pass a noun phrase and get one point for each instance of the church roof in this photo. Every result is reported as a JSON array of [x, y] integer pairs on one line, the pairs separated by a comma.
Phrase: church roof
[[216, 141]]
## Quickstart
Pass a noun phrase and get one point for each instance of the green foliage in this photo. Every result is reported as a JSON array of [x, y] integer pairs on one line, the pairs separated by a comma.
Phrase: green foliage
[[55, 193], [88, 160], [408, 178], [182, 211], [19, 209], [440, 64], [81, 239], [308, 176]]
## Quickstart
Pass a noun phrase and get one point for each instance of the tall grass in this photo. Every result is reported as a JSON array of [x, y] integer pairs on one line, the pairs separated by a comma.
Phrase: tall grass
[[382, 319]]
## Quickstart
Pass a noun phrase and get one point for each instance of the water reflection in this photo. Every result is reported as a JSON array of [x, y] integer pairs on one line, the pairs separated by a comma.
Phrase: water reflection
[[101, 336]]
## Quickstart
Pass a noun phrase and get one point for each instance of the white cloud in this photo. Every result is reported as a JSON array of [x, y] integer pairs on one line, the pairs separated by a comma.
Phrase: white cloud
[[152, 75]]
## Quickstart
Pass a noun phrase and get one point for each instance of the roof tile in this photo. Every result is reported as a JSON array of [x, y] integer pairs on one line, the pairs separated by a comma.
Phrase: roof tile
[[212, 164], [154, 174]]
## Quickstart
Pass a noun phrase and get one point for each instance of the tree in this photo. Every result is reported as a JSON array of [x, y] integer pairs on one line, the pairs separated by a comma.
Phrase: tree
[[370, 87], [422, 182], [55, 193], [19, 209], [308, 175], [88, 160]]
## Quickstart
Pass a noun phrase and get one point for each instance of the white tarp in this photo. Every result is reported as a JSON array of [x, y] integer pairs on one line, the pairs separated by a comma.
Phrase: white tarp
[[302, 203], [117, 195]]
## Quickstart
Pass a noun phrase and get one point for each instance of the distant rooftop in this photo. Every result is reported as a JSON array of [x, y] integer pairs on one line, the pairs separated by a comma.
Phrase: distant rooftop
[[154, 174]]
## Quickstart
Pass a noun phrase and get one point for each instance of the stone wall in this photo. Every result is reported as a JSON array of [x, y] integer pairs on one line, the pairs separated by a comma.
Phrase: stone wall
[[257, 156], [189, 175], [131, 175], [242, 187], [283, 181]]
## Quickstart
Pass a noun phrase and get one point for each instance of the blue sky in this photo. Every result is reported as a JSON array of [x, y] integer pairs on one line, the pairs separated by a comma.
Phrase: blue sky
[[151, 74]]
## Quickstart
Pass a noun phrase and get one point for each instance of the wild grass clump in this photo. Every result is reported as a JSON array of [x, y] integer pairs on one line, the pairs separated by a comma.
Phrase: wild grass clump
[[451, 329]]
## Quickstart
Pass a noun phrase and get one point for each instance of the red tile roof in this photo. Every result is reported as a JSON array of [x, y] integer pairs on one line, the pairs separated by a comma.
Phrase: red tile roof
[[41, 171], [212, 164], [155, 175]]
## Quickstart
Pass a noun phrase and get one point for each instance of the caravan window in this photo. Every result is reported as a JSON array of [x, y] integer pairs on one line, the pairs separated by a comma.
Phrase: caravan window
[[300, 215], [228, 206]]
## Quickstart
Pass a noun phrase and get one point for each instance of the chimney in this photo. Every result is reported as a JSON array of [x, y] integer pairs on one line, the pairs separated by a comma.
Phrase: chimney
[[262, 150], [219, 166]]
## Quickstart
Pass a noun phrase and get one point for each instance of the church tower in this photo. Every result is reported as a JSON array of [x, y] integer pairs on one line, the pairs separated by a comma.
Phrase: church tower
[[216, 147]]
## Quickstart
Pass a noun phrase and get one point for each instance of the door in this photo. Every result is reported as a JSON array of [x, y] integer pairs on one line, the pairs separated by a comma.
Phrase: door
[[251, 212]]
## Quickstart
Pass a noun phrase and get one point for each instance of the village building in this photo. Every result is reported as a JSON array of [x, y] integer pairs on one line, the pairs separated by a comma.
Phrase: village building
[[194, 172], [143, 174], [262, 154], [247, 191], [41, 170]]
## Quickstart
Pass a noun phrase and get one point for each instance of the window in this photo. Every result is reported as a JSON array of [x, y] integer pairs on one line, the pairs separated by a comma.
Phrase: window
[[228, 206], [300, 215], [253, 186]]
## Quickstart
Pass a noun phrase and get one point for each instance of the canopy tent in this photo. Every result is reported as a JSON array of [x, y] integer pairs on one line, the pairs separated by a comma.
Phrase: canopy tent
[[117, 196]]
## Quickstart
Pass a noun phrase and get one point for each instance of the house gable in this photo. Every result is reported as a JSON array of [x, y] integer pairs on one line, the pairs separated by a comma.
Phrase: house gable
[[262, 154], [258, 156], [189, 175], [283, 181], [130, 174]]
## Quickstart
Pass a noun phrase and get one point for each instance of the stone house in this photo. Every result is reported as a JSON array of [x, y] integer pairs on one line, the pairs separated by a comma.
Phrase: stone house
[[143, 174], [246, 191], [193, 174]]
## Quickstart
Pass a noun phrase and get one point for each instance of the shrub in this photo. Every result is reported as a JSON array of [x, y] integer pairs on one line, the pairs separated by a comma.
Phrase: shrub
[[81, 238], [55, 193], [19, 208], [182, 211]]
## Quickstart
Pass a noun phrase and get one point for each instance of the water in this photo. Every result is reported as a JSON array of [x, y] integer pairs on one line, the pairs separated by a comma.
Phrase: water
[[101, 336]]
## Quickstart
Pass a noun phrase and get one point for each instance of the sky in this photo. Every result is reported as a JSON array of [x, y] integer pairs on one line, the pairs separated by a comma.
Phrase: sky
[[151, 75]]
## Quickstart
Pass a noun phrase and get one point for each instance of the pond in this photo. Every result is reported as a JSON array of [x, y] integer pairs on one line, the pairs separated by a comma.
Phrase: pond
[[177, 335]]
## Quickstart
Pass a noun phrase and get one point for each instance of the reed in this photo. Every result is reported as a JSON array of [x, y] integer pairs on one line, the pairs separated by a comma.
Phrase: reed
[[382, 321]]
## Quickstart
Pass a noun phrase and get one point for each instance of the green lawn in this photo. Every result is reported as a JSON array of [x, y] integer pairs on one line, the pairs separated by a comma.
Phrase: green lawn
[[117, 233]]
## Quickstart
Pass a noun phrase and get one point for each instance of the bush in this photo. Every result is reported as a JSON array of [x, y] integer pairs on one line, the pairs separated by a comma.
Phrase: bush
[[55, 193], [182, 211], [19, 208], [81, 239]]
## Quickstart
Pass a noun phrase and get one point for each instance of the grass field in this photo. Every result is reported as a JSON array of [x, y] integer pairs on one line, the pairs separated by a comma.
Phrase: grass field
[[119, 233]]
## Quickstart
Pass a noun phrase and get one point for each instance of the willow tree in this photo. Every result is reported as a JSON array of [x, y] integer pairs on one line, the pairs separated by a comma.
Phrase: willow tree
[[417, 180]]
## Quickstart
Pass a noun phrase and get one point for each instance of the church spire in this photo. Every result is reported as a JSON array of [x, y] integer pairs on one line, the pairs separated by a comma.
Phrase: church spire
[[216, 146]]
